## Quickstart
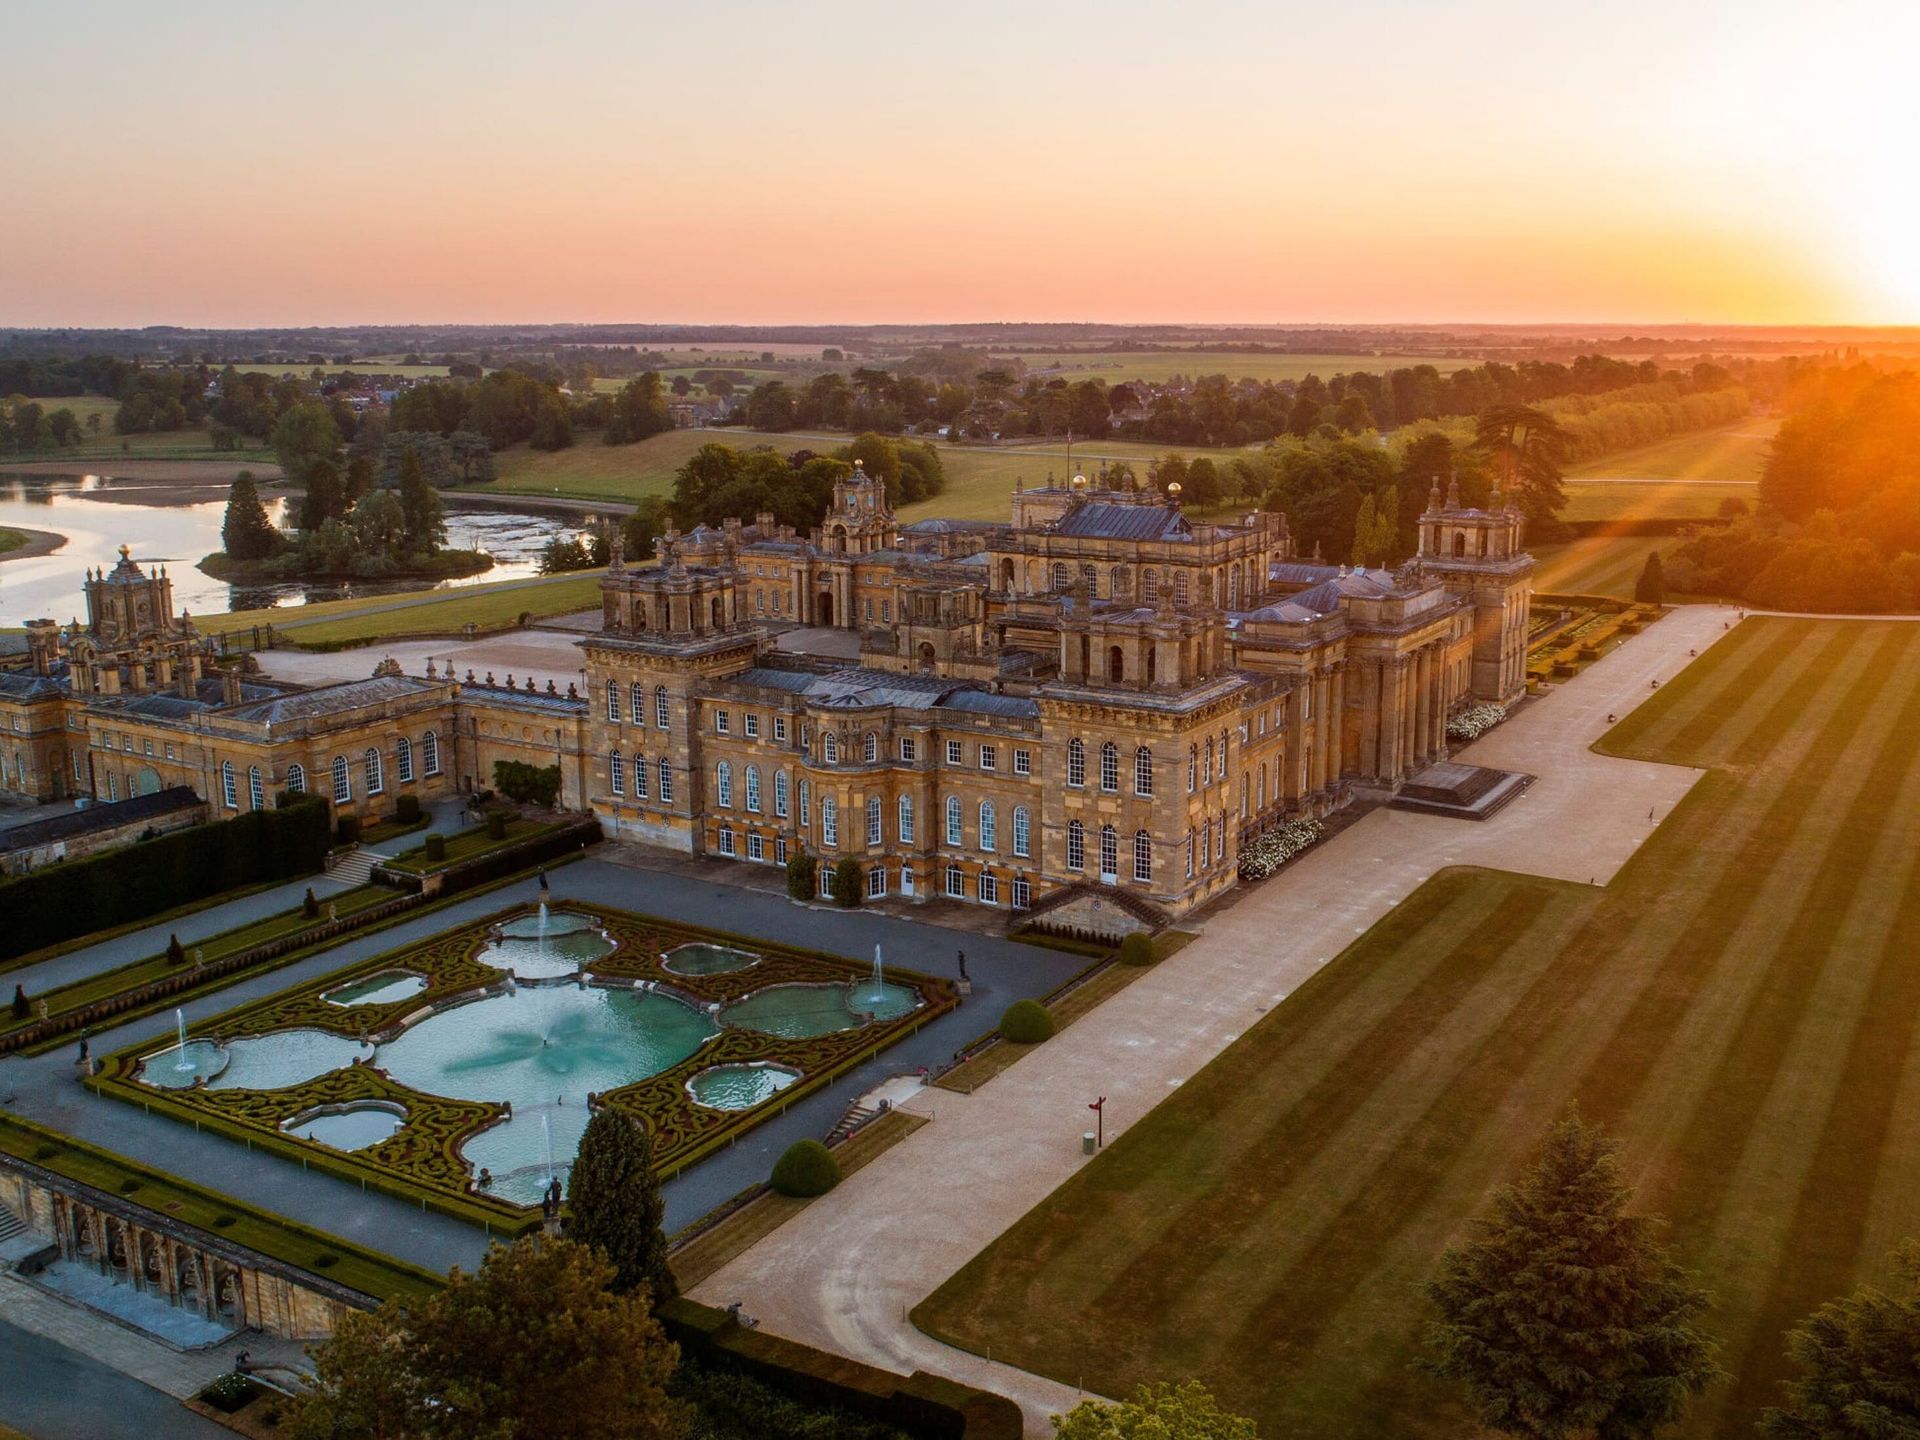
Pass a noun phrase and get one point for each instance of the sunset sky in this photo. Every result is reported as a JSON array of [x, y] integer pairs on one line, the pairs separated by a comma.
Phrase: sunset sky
[[228, 164]]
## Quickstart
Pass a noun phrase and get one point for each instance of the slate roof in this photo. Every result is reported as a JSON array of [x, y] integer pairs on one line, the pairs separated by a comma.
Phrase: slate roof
[[333, 699], [982, 702], [26, 685], [1096, 520], [98, 817], [527, 699], [857, 688]]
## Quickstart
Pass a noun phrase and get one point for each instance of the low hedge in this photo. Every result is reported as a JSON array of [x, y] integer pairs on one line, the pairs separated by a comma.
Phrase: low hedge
[[1026, 1022]]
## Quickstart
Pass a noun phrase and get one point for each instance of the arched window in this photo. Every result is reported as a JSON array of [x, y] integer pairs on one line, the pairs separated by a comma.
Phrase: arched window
[[806, 803], [1076, 845], [403, 758], [639, 777], [1460, 543], [953, 820], [376, 775], [829, 749], [1116, 664], [870, 748], [829, 821], [228, 791], [1143, 771], [1122, 582], [1149, 584], [637, 698], [613, 701], [906, 820], [989, 827], [256, 788], [430, 751], [666, 782], [1110, 767], [660, 708], [753, 788], [723, 785], [617, 772], [342, 780], [297, 778], [780, 793], [1059, 576], [1109, 851], [1076, 762], [1022, 832], [1142, 856], [874, 833]]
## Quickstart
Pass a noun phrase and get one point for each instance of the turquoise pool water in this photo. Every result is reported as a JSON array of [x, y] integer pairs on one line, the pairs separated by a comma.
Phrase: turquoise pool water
[[740, 1087], [355, 1128], [555, 957], [800, 1011], [176, 1068], [704, 959], [381, 989]]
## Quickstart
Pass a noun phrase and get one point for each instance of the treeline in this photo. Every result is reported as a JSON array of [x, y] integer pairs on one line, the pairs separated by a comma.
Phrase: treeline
[[78, 896], [720, 482], [1838, 528], [60, 375], [1642, 414], [27, 425]]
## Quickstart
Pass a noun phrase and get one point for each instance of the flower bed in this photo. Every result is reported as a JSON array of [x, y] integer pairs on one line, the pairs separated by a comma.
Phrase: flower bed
[[423, 1160], [1472, 724], [1277, 847]]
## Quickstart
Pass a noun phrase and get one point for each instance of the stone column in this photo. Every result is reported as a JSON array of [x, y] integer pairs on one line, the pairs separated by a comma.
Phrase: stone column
[[1392, 718], [1339, 757], [1369, 765], [1424, 750]]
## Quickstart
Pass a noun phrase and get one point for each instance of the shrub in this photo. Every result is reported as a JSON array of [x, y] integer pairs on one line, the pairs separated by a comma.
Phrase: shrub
[[1137, 949], [528, 784], [805, 1170], [230, 1392], [1026, 1022], [496, 824], [176, 952], [1277, 846], [436, 846], [347, 829], [848, 882], [803, 875], [406, 810]]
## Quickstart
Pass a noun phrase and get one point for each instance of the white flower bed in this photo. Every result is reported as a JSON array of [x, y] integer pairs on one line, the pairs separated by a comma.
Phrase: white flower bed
[[1276, 847], [1472, 724]]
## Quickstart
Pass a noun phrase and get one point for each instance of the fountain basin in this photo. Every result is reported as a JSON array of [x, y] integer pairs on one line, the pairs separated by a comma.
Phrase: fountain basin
[[800, 1011], [701, 958], [381, 989], [179, 1067], [356, 1126], [557, 923], [528, 957], [740, 1086], [282, 1058]]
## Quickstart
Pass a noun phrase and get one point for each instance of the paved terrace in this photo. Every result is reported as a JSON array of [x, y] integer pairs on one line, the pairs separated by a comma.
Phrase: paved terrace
[[47, 1088], [844, 1272]]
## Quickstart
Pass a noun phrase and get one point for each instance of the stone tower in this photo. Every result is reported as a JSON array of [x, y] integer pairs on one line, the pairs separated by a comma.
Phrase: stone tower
[[1477, 553]]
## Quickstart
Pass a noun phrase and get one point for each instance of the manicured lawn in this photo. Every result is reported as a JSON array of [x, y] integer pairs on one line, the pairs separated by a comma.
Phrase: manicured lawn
[[10, 540], [1598, 564], [1728, 452], [1652, 500], [443, 612], [1740, 1005], [465, 846]]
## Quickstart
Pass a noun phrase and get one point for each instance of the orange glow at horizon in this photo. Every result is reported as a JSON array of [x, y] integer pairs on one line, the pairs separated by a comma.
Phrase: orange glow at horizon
[[754, 164]]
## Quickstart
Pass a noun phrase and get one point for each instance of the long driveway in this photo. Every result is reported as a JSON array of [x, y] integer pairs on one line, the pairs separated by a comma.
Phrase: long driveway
[[844, 1272]]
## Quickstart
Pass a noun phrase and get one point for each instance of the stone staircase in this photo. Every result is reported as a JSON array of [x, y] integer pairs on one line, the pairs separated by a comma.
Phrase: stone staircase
[[857, 1116], [10, 1225], [354, 866]]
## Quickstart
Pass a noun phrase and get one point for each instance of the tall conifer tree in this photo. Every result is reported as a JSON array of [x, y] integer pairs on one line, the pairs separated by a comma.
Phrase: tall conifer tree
[[613, 1200]]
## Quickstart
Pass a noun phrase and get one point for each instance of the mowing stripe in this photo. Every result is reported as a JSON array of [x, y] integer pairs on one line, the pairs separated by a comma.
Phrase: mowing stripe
[[1718, 686], [1209, 1229]]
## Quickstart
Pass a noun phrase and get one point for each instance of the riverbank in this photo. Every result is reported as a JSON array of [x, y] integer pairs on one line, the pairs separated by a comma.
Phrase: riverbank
[[132, 467], [19, 543]]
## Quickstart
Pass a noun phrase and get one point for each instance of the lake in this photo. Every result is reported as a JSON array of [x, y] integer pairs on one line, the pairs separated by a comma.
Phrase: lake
[[168, 523]]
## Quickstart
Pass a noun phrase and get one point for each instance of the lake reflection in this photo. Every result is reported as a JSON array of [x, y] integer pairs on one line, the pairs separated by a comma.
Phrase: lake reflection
[[171, 524]]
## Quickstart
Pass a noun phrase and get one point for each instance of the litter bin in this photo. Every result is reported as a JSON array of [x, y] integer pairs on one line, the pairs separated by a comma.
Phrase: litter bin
[[1086, 1143]]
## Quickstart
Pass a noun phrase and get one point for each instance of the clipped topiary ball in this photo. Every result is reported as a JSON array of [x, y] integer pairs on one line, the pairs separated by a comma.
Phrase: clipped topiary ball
[[807, 1169], [1136, 949], [1026, 1023]]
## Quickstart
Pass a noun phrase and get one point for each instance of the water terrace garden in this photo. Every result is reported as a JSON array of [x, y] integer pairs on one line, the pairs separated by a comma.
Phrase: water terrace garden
[[459, 1071]]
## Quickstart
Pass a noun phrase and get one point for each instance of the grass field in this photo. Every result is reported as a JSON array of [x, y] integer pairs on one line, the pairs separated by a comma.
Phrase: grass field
[[445, 612], [1739, 1005], [1650, 500], [1115, 366], [10, 540], [1598, 564], [1729, 452]]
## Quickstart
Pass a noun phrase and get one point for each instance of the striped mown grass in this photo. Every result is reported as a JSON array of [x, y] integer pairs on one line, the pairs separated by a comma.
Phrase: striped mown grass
[[1740, 1005]]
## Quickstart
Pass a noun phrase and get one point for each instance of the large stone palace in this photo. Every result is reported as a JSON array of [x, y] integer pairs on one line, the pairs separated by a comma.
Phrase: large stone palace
[[1101, 691]]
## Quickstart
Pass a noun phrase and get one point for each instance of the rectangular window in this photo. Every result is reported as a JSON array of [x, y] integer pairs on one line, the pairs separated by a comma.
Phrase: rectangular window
[[907, 750], [989, 889], [722, 722], [617, 773], [1022, 894], [877, 882], [403, 757], [829, 823], [779, 849], [666, 783], [756, 847], [170, 750], [639, 777], [779, 727], [956, 883], [660, 708], [874, 836], [726, 840], [752, 724], [1022, 762], [146, 745], [826, 882], [613, 702], [989, 757], [953, 752], [780, 793]]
